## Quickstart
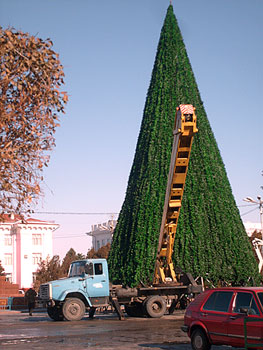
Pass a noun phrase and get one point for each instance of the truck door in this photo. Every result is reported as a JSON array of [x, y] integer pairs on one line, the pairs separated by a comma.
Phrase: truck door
[[97, 283]]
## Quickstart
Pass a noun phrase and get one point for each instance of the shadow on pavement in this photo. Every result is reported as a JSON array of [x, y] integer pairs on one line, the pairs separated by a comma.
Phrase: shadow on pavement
[[34, 319], [167, 346], [182, 346]]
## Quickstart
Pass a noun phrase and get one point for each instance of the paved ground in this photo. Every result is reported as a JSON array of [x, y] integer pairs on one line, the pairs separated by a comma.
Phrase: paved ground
[[20, 331]]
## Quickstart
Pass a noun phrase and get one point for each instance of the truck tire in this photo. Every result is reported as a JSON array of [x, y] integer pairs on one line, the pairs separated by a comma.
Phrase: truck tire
[[155, 306], [73, 309], [199, 340], [134, 310], [55, 313]]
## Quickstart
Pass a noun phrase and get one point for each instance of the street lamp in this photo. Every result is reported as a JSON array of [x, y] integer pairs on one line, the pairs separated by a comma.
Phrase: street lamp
[[259, 202]]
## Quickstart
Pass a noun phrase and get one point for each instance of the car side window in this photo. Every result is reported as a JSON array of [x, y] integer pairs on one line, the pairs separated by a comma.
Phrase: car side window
[[98, 269], [218, 301], [245, 302], [89, 269]]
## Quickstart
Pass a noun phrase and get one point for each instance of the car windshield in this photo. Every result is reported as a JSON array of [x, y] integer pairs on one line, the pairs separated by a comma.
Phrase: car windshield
[[260, 297], [77, 269]]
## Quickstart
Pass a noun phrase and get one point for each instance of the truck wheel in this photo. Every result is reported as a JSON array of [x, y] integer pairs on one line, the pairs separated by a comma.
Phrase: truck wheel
[[55, 313], [155, 306], [134, 310], [73, 309], [199, 340]]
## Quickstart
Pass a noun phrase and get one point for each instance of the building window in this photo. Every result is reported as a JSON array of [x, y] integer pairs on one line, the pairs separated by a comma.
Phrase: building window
[[36, 257], [8, 240], [37, 239], [8, 259], [103, 242], [34, 277], [98, 244], [8, 277]]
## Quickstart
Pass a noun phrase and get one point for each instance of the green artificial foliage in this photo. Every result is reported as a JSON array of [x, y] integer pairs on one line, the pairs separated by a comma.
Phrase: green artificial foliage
[[211, 240]]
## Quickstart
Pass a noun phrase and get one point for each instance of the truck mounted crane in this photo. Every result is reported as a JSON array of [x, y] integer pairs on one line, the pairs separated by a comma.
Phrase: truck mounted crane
[[88, 286], [184, 130]]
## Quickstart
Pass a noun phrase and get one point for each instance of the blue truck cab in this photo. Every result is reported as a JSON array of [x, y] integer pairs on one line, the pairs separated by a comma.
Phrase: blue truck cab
[[86, 287]]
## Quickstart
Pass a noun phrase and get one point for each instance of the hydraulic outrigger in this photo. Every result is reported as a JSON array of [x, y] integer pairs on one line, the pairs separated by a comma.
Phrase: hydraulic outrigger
[[184, 130]]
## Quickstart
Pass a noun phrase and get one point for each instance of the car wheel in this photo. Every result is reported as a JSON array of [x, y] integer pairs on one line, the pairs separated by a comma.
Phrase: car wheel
[[73, 309], [199, 340], [155, 306]]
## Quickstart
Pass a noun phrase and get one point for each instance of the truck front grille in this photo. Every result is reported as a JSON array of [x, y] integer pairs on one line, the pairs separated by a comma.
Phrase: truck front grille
[[44, 292]]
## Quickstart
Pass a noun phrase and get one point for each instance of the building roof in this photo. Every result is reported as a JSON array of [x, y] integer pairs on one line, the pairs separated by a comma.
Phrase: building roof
[[9, 218], [15, 218], [251, 227], [106, 227]]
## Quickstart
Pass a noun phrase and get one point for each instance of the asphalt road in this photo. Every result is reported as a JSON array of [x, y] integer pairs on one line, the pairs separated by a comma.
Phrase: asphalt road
[[20, 331], [105, 332]]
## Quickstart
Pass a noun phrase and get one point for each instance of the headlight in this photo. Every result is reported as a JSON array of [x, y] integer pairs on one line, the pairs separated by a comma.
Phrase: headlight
[[50, 291]]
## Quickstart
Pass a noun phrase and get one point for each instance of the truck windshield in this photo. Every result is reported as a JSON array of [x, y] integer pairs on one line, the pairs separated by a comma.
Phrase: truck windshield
[[77, 269]]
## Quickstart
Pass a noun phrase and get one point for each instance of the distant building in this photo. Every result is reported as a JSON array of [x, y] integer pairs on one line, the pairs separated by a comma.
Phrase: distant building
[[23, 244], [102, 234], [251, 227]]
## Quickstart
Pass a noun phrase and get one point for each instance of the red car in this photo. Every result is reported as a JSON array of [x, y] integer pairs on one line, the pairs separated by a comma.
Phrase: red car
[[217, 317]]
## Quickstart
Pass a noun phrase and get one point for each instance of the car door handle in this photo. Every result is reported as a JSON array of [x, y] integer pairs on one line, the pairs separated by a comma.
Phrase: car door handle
[[204, 314], [232, 317], [103, 281]]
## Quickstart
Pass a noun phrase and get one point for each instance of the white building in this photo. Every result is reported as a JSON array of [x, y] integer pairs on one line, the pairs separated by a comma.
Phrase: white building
[[102, 234], [251, 227], [23, 244]]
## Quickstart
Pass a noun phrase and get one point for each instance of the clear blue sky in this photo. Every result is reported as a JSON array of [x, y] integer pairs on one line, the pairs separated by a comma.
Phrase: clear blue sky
[[108, 48]]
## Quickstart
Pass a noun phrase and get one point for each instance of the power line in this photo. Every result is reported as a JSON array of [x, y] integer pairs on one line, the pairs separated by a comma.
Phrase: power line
[[250, 211], [71, 236], [96, 213], [246, 205], [71, 213]]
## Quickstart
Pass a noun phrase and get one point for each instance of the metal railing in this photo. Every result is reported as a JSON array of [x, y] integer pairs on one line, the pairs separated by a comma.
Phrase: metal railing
[[249, 344], [5, 303]]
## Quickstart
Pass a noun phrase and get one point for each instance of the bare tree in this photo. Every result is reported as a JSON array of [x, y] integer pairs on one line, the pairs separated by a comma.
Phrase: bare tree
[[30, 100], [70, 256], [48, 270], [101, 253], [2, 270]]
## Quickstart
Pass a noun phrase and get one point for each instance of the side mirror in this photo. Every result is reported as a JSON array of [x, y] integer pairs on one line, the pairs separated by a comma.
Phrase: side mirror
[[243, 310]]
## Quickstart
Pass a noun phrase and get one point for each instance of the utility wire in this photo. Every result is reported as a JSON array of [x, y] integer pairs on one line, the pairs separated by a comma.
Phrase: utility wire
[[72, 236], [250, 211], [95, 213], [246, 205], [109, 213], [71, 213]]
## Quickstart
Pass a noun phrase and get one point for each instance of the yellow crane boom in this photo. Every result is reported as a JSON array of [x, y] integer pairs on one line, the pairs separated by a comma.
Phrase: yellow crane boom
[[184, 130]]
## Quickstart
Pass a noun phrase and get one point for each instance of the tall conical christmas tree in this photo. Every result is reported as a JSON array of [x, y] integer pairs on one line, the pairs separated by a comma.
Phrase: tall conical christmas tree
[[210, 238]]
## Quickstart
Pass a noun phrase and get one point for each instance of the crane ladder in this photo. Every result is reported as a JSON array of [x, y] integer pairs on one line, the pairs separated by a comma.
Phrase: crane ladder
[[184, 130]]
